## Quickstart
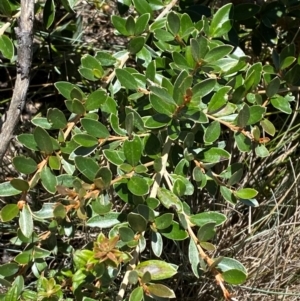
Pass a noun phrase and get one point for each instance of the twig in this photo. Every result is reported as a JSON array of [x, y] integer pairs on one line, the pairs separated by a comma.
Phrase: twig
[[156, 184], [166, 10], [24, 60]]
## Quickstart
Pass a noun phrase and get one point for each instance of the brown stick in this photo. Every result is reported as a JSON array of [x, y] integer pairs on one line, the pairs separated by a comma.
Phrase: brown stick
[[25, 39]]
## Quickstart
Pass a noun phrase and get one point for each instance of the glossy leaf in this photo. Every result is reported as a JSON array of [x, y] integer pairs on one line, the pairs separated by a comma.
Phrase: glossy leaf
[[49, 13], [174, 232], [281, 103], [160, 290], [8, 212], [126, 79], [220, 23], [246, 193], [158, 269]]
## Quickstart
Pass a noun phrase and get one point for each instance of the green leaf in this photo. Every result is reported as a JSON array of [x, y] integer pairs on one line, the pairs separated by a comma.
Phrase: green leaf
[[174, 232], [207, 232], [26, 221], [105, 58], [6, 46], [268, 127], [104, 221], [142, 7], [156, 243], [141, 24], [219, 100], [137, 222], [163, 94], [203, 88], [42, 122], [115, 124], [138, 186], [24, 165], [20, 184], [126, 234], [57, 118], [273, 87], [164, 221], [28, 141], [160, 290], [214, 155], [195, 49], [94, 128], [120, 24], [133, 150], [126, 79], [212, 132], [9, 212], [169, 199], [246, 193], [85, 140], [95, 100], [136, 44], [48, 180], [137, 294], [261, 151], [281, 103], [218, 53], [114, 157], [161, 106], [87, 166], [220, 23], [158, 269], [203, 218], [243, 116], [49, 13], [243, 142], [130, 25], [256, 114], [194, 257], [287, 62], [5, 8], [173, 22], [90, 62], [228, 195], [228, 264], [43, 140], [8, 269], [157, 121], [65, 88], [234, 277], [6, 189]]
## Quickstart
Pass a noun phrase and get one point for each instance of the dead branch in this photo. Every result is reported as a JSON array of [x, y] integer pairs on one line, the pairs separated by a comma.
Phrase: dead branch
[[24, 32]]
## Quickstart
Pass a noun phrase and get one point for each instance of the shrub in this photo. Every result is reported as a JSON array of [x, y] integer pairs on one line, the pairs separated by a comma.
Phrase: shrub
[[136, 146]]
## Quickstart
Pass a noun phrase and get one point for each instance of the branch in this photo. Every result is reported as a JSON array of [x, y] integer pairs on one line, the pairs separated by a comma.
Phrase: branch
[[157, 179], [25, 40]]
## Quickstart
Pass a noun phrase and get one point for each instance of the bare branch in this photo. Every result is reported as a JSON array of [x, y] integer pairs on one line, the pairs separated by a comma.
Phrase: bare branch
[[25, 39]]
